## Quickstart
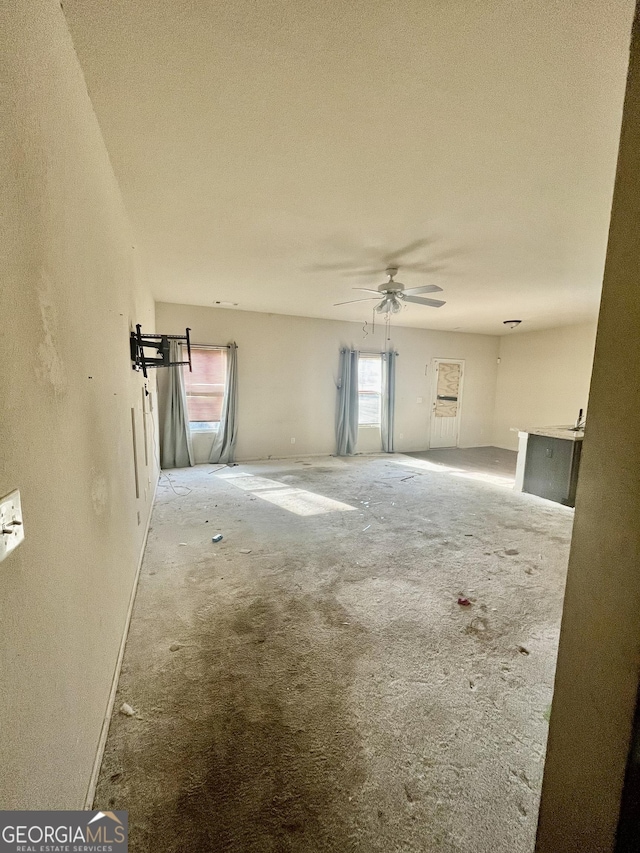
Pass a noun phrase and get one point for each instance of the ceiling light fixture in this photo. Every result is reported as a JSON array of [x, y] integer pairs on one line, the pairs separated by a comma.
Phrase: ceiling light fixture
[[512, 324], [389, 305]]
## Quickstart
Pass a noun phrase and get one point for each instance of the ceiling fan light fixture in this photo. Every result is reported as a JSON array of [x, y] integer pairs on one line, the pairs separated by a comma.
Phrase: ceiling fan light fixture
[[389, 305]]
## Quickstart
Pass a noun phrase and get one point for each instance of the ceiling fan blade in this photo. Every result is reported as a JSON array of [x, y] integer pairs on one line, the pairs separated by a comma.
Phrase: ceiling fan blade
[[367, 290], [434, 303], [428, 288], [351, 301]]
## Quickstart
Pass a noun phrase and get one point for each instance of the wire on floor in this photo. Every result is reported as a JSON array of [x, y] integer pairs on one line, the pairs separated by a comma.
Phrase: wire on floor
[[162, 473], [170, 481]]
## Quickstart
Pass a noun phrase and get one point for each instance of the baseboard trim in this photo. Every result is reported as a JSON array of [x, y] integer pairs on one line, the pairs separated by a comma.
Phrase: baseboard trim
[[104, 731], [246, 460]]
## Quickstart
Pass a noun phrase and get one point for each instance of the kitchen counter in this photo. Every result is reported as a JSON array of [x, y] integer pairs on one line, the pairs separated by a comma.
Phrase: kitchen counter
[[567, 432], [548, 462]]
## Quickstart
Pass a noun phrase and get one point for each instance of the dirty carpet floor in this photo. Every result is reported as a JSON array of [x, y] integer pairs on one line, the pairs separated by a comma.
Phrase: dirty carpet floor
[[326, 692]]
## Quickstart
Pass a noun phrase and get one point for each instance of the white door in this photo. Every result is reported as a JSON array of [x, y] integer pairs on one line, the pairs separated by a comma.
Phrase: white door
[[446, 398]]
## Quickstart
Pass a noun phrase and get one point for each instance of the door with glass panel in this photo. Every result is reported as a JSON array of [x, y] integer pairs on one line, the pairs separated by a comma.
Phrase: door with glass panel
[[447, 375]]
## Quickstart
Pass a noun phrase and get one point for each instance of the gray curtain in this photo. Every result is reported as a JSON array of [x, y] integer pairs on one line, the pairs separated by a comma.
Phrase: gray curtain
[[224, 442], [347, 414], [388, 399], [176, 449]]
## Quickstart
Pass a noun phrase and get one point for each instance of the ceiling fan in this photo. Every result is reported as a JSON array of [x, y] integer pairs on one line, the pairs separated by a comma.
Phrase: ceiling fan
[[394, 295]]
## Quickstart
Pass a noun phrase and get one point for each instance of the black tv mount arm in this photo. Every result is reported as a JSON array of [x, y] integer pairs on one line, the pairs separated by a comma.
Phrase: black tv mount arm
[[141, 361]]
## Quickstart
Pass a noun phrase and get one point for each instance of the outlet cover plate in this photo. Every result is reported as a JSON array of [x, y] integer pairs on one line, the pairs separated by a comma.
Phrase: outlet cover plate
[[10, 512]]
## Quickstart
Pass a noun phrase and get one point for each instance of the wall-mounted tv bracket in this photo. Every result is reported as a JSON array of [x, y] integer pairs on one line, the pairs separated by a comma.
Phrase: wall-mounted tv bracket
[[160, 343]]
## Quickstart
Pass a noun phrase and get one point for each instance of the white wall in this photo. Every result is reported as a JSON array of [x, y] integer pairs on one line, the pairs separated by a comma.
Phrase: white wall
[[288, 368], [70, 288], [543, 379]]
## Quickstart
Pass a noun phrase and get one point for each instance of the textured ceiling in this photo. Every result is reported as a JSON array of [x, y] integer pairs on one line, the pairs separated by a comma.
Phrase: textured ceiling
[[267, 150]]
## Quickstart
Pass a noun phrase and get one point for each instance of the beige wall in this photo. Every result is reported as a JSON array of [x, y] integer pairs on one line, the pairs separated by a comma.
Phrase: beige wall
[[288, 369], [599, 655], [69, 292], [543, 379]]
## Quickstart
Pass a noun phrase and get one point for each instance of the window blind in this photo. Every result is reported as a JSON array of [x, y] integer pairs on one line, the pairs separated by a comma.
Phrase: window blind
[[205, 384]]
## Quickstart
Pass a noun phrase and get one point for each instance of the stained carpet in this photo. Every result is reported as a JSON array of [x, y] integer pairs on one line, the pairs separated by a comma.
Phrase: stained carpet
[[310, 682]]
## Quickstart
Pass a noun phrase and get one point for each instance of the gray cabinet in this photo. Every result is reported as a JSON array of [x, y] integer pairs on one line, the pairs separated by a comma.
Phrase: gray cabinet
[[551, 468]]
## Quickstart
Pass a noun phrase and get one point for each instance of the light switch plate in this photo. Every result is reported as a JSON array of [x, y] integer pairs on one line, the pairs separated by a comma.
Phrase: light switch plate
[[11, 522]]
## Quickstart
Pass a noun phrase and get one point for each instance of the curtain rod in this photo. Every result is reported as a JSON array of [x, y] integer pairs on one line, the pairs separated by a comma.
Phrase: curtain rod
[[213, 346], [371, 351]]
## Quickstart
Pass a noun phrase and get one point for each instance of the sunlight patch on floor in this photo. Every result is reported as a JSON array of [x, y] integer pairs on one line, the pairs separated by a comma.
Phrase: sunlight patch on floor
[[298, 501], [424, 465], [485, 477], [439, 468]]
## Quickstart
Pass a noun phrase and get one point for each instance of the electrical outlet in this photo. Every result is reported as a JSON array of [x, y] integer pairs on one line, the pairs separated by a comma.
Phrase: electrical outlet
[[419, 399], [401, 435], [293, 441], [11, 526]]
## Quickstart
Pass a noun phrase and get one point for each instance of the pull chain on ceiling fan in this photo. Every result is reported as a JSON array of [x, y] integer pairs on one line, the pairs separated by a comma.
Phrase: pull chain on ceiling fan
[[394, 295]]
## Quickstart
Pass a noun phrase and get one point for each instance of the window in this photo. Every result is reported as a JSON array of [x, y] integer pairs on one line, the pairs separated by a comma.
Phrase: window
[[369, 390], [205, 387]]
